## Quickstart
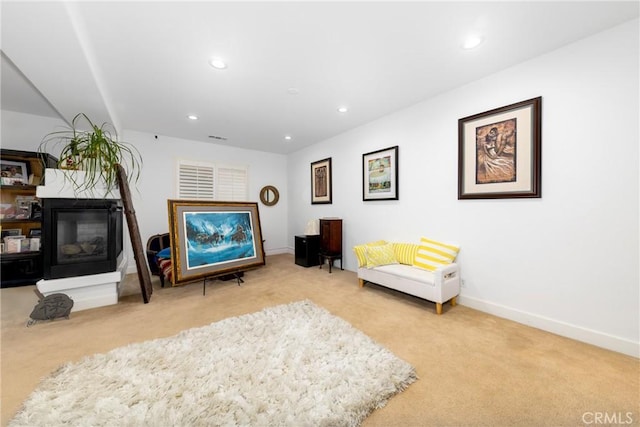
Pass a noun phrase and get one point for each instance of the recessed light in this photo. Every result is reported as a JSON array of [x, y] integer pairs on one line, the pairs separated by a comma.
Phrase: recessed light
[[293, 91], [472, 42], [342, 109], [287, 137], [218, 63], [192, 117]]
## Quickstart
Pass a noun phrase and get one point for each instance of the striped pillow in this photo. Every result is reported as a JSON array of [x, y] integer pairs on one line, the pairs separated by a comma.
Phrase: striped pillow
[[405, 252], [360, 251], [433, 254]]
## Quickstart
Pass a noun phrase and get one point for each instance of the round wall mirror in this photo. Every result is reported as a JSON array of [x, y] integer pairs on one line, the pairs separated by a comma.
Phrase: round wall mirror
[[269, 195]]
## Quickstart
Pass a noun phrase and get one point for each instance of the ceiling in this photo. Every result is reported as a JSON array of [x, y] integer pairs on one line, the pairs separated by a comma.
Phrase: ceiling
[[143, 66]]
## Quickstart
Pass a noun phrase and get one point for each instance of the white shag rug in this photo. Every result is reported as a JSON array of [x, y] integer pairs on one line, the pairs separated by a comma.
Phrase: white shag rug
[[289, 365]]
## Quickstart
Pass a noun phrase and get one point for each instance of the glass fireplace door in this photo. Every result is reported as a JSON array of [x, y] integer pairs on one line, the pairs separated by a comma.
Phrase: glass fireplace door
[[81, 237]]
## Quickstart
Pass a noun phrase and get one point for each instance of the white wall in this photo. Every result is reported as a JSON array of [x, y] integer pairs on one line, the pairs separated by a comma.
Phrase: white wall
[[25, 131], [567, 262], [157, 183]]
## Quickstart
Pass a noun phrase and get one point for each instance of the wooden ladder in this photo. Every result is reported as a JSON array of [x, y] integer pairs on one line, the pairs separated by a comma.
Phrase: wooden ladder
[[134, 232]]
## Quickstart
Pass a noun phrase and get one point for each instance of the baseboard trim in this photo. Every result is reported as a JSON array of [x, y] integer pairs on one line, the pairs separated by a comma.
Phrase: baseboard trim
[[276, 251], [578, 333]]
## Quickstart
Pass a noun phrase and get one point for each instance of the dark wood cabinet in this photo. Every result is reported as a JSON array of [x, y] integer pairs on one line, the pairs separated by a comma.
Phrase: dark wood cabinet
[[20, 214], [307, 249], [330, 241]]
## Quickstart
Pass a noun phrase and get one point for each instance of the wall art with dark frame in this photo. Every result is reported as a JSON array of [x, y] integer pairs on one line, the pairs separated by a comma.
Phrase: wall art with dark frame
[[321, 182], [380, 175], [499, 152], [210, 239]]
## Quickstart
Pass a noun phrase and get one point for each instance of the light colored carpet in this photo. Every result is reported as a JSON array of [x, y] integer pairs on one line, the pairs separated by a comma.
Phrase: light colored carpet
[[292, 364], [475, 369]]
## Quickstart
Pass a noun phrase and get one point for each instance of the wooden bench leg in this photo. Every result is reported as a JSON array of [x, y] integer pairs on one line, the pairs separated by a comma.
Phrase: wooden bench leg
[[361, 282], [453, 302], [438, 308]]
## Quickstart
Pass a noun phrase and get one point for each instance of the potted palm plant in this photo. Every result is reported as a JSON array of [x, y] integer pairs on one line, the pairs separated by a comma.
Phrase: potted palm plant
[[96, 151]]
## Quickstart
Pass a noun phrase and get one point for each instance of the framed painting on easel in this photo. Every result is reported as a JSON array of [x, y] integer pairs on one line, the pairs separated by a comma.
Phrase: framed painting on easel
[[210, 239]]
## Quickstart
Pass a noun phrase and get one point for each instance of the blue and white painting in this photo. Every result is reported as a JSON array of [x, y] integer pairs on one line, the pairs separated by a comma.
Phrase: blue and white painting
[[214, 238]]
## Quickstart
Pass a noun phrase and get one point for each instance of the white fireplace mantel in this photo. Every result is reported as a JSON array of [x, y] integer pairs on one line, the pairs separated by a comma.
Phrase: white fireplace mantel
[[63, 184], [91, 291], [87, 291]]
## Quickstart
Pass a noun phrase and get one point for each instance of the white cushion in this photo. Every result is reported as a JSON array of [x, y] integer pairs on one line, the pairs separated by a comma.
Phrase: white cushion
[[408, 272]]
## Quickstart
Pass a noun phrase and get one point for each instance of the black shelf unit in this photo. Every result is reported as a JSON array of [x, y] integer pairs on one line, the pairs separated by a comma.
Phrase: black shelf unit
[[22, 268]]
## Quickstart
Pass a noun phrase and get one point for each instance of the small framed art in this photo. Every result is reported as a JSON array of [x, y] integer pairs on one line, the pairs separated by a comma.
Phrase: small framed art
[[14, 172], [321, 182], [499, 152], [11, 232], [380, 174]]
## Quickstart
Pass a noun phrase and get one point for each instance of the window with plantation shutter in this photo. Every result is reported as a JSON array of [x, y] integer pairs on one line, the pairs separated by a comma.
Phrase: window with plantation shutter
[[195, 180], [232, 183], [208, 181]]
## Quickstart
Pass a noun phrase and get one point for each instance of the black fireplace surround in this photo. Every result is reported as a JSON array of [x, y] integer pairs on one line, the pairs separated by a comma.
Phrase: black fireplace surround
[[81, 237]]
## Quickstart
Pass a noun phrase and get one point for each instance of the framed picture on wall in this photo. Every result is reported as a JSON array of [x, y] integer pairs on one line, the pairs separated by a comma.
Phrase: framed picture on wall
[[321, 181], [499, 152], [380, 174]]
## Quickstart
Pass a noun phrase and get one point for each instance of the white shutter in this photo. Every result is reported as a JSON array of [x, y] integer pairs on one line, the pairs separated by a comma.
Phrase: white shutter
[[232, 183], [195, 180], [207, 181]]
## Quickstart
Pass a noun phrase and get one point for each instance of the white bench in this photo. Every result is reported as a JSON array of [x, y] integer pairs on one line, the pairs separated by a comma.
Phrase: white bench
[[438, 286]]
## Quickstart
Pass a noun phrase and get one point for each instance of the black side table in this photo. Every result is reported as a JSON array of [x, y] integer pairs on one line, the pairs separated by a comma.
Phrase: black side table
[[306, 250]]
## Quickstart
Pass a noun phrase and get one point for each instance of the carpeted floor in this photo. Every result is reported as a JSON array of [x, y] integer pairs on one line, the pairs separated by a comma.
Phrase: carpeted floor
[[290, 364], [474, 369]]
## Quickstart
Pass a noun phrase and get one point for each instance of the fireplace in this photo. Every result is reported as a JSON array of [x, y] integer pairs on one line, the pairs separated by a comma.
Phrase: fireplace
[[81, 237]]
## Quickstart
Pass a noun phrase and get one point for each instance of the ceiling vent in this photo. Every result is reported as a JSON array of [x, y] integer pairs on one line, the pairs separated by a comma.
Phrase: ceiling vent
[[219, 138]]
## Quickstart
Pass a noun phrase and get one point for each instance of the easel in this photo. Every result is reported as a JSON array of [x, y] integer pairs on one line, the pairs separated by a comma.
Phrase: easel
[[235, 275]]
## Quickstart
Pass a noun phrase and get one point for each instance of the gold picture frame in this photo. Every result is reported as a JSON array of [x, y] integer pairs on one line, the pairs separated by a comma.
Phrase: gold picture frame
[[210, 239]]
